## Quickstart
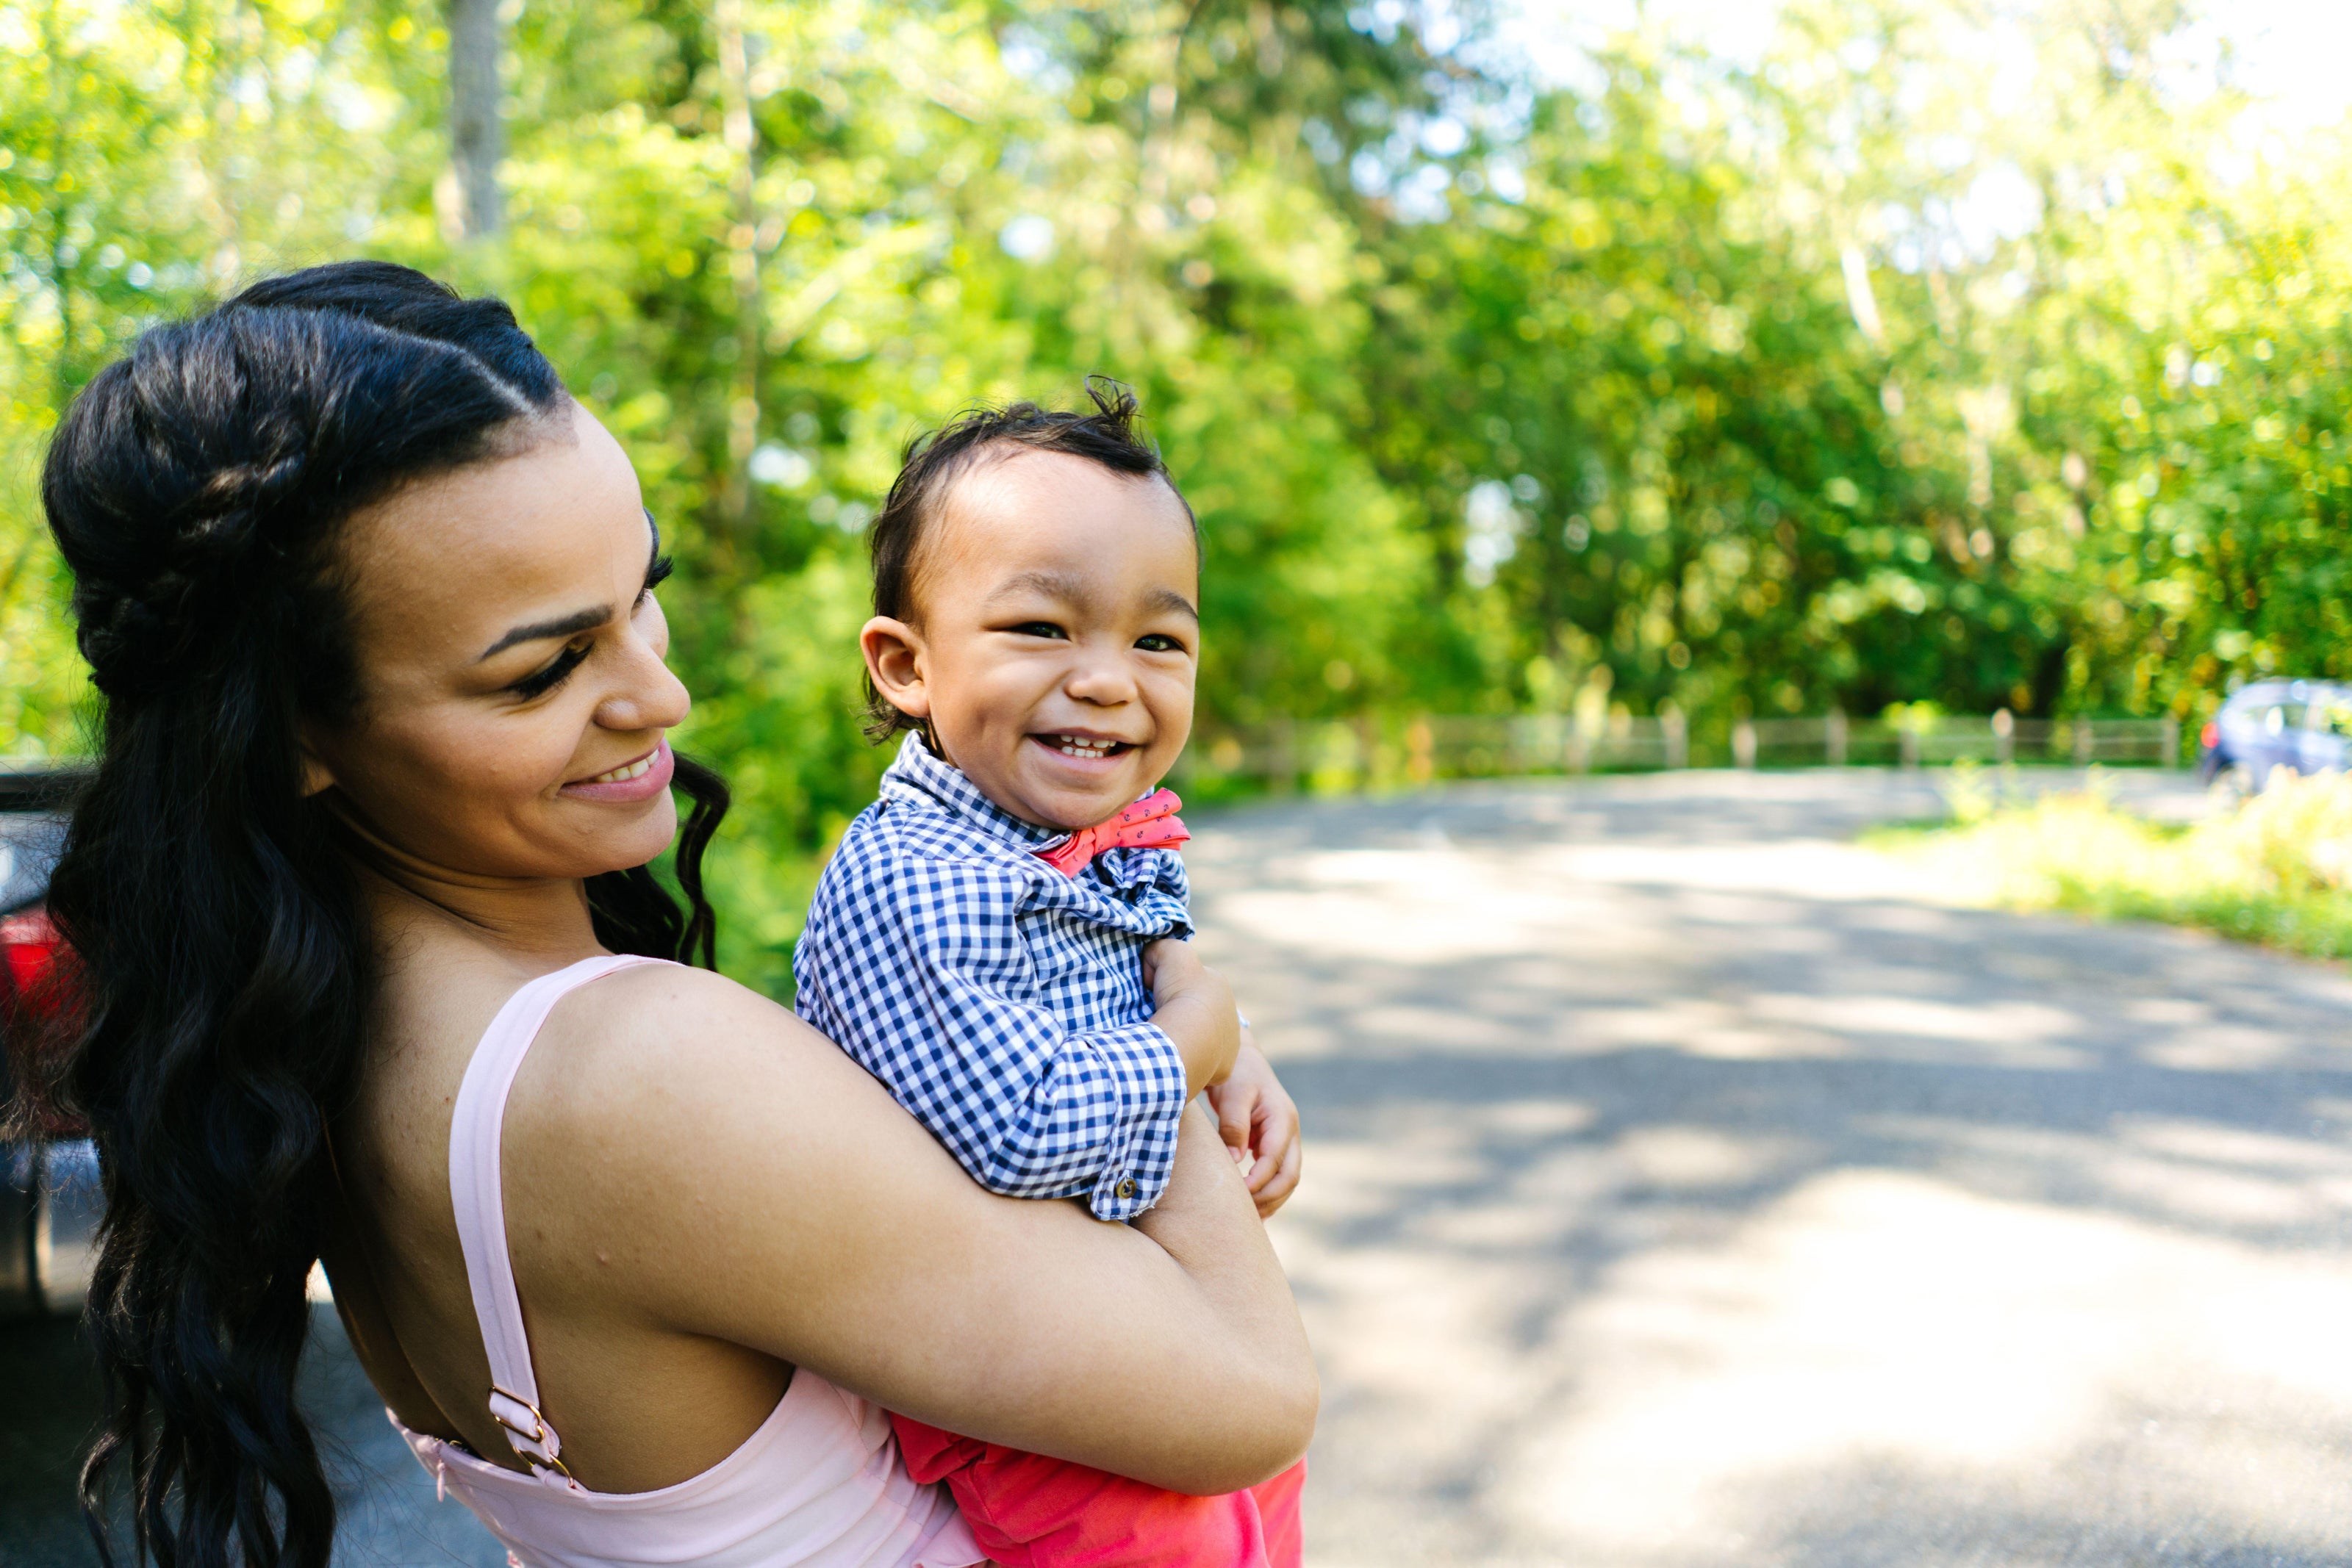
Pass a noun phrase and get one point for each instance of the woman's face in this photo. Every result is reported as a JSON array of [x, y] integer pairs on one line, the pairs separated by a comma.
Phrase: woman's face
[[513, 698]]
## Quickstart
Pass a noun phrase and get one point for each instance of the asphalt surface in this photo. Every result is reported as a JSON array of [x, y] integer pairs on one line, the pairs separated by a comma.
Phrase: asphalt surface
[[48, 1404], [1687, 1186]]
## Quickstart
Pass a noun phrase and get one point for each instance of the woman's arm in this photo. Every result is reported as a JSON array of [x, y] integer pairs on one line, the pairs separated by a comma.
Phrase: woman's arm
[[742, 1179]]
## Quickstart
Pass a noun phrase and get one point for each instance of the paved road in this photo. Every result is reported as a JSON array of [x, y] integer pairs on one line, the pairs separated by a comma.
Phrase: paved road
[[1689, 1188], [49, 1400]]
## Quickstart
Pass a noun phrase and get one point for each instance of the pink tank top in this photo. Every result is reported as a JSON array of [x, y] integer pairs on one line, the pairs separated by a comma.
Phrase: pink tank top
[[819, 1485]]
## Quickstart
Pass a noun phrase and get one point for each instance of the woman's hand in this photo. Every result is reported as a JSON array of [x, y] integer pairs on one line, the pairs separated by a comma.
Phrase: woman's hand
[[1257, 1117]]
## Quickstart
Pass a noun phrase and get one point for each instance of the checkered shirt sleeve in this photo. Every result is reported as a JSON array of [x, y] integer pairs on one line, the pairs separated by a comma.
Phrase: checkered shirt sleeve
[[917, 967]]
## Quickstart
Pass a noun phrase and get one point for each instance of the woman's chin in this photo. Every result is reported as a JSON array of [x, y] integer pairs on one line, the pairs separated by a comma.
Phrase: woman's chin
[[626, 847]]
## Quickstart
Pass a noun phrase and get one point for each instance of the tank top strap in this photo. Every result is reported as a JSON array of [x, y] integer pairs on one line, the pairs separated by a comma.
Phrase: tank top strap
[[477, 1192]]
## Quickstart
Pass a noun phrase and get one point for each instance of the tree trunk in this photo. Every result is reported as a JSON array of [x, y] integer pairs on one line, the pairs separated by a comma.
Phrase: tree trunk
[[744, 262], [64, 256], [477, 135]]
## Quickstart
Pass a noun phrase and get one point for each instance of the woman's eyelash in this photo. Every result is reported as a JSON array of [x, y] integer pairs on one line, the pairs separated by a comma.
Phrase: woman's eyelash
[[546, 679]]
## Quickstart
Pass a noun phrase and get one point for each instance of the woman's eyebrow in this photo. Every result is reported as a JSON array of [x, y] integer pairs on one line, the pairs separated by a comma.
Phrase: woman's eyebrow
[[579, 621], [571, 626]]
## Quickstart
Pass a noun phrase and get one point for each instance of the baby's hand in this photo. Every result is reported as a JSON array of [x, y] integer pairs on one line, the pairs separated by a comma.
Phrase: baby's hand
[[1256, 1115], [1170, 967], [1195, 1010]]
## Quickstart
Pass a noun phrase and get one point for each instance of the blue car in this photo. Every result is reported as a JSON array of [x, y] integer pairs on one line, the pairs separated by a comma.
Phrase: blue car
[[2302, 725]]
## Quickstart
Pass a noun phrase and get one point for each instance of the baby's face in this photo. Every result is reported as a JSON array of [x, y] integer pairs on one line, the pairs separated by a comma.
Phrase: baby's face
[[1058, 638]]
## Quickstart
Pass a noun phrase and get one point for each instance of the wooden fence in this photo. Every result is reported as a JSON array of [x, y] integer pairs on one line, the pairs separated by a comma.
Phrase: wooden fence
[[1368, 750]]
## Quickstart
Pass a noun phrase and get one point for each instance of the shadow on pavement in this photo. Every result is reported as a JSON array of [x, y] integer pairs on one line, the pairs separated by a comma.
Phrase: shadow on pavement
[[46, 1417], [388, 1515], [1678, 1196]]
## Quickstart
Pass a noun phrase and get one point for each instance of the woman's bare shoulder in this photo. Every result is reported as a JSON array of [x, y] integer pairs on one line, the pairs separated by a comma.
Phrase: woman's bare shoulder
[[715, 1148], [677, 1063], [671, 1025]]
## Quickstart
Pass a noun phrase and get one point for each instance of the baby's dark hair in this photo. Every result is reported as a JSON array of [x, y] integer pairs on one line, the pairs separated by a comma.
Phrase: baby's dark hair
[[1108, 436]]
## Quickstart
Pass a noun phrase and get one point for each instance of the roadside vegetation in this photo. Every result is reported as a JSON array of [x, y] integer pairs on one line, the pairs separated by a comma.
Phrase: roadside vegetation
[[2275, 869], [1989, 356]]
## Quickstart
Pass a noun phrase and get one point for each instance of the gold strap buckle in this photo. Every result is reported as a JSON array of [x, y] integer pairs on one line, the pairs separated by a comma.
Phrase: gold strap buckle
[[538, 1434]]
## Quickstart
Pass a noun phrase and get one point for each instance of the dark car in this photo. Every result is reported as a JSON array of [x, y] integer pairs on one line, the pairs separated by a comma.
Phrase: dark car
[[2305, 726], [50, 1203]]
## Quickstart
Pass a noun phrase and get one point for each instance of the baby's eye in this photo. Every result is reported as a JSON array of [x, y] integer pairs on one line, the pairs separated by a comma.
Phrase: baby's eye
[[1158, 643], [1040, 629]]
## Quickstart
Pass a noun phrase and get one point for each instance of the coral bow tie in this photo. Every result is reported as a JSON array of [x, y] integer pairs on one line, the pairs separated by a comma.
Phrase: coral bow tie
[[1149, 824]]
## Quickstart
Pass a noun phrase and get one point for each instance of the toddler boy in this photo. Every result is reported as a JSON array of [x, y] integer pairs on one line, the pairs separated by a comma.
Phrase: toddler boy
[[998, 937]]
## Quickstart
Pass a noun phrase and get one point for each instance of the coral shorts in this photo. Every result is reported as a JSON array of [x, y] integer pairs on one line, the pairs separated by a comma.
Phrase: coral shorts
[[1029, 1511]]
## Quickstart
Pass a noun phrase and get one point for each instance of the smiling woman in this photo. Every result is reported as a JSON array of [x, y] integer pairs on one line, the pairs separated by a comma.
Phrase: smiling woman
[[372, 604], [207, 492], [549, 670]]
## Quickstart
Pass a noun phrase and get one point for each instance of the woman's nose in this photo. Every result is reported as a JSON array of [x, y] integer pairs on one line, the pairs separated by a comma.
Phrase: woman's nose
[[648, 695]]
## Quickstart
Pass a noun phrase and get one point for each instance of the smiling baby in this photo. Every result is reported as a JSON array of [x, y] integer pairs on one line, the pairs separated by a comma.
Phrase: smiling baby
[[1000, 936]]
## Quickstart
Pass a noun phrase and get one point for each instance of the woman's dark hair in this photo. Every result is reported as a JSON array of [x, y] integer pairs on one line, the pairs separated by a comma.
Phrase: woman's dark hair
[[196, 489], [934, 462]]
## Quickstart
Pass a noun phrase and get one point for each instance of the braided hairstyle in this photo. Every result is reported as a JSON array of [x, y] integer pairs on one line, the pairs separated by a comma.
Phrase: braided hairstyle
[[196, 489]]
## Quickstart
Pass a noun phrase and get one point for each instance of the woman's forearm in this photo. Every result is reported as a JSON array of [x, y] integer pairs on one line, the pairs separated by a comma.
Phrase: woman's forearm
[[1208, 1224]]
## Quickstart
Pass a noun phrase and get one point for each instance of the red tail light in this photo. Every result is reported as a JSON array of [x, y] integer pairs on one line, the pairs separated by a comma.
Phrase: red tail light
[[2211, 736], [29, 945], [36, 1011]]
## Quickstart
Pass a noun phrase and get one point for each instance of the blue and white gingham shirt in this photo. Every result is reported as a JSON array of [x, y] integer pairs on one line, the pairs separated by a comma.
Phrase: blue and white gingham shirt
[[1001, 1002]]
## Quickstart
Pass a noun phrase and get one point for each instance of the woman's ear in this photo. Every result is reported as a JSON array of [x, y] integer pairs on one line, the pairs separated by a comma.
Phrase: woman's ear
[[316, 774], [894, 659]]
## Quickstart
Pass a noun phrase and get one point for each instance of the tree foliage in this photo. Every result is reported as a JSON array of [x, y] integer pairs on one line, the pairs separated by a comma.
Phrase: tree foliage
[[1981, 357]]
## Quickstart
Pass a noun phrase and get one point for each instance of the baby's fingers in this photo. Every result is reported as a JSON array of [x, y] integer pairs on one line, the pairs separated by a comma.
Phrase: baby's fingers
[[1276, 1139], [1236, 1105], [1282, 1183]]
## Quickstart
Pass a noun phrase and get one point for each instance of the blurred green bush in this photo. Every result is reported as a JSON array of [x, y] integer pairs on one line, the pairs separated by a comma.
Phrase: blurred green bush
[[1892, 368]]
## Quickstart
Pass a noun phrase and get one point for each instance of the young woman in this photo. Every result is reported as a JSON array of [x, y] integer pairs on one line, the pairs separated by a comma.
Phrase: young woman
[[628, 1248]]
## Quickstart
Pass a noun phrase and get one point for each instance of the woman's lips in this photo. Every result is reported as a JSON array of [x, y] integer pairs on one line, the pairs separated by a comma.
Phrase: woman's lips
[[651, 777]]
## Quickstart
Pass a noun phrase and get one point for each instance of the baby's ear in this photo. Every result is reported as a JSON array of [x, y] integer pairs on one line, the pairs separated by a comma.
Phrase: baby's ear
[[894, 662]]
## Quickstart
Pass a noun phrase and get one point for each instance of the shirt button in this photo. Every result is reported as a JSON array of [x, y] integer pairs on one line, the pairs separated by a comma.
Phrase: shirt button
[[1127, 1188]]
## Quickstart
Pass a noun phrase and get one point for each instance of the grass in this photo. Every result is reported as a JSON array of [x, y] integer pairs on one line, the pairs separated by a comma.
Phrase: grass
[[2276, 871]]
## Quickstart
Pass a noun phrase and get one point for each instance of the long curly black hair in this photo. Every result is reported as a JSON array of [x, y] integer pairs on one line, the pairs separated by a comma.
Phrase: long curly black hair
[[196, 489]]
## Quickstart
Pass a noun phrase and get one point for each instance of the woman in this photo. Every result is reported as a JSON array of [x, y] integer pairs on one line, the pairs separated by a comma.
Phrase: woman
[[370, 602]]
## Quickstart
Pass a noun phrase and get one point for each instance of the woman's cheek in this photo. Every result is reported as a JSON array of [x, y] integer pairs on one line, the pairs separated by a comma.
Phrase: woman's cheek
[[516, 766]]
